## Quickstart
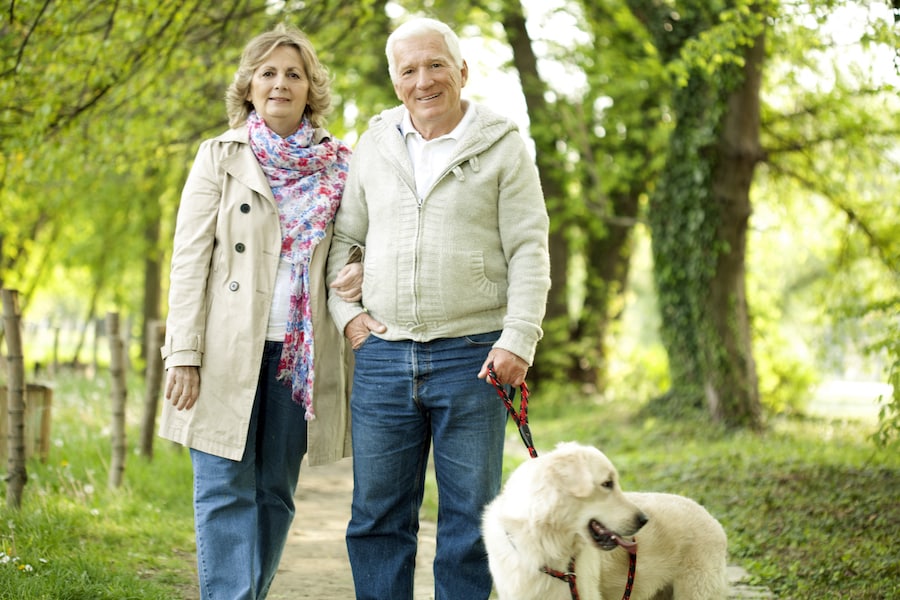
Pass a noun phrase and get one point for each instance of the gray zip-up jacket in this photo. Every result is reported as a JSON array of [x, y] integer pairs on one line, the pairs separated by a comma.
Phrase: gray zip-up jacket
[[469, 257]]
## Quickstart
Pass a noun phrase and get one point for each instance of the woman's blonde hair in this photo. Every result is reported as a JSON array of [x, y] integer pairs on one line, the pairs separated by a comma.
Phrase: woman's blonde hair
[[318, 101]]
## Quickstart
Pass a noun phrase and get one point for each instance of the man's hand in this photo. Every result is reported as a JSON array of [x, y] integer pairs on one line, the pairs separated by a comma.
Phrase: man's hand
[[348, 285], [359, 328], [182, 386], [509, 368]]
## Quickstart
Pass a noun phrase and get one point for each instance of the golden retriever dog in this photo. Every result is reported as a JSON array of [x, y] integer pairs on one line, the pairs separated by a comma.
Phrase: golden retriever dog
[[567, 504]]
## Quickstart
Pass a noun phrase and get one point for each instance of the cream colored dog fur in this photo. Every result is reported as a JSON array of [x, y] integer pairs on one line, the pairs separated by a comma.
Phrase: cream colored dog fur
[[568, 503]]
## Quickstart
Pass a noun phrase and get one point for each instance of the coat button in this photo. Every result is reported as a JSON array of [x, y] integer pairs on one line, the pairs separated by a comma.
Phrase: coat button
[[245, 208], [239, 247], [233, 286]]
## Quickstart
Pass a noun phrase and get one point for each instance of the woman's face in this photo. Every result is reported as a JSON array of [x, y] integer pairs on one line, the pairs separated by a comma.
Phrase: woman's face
[[278, 90]]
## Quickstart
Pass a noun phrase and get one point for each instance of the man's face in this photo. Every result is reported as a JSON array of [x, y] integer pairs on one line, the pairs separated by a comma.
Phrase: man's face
[[429, 83]]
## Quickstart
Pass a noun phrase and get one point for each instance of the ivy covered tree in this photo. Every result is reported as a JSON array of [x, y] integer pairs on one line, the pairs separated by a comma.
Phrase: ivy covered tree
[[700, 212]]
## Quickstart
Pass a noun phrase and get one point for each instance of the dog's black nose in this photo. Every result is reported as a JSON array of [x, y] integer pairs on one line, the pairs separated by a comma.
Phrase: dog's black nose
[[642, 520]]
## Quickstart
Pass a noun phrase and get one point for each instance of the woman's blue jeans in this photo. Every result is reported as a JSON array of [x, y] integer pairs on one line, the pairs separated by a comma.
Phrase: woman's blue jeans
[[406, 396], [243, 510]]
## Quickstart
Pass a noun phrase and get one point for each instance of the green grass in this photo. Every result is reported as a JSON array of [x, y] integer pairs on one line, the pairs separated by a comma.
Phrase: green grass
[[74, 538], [810, 506]]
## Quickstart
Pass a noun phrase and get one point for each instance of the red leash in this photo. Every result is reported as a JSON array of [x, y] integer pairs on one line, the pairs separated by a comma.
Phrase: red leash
[[568, 577], [520, 417]]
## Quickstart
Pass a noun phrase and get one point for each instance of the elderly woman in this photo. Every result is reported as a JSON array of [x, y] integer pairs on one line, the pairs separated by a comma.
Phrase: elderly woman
[[256, 371]]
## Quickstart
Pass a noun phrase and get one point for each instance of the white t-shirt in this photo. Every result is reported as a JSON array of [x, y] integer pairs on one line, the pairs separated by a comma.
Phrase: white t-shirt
[[430, 157], [281, 303]]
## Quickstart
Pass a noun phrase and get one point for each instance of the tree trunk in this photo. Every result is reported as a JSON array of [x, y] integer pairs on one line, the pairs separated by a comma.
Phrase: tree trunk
[[610, 260], [699, 219], [118, 396], [88, 319], [17, 475], [731, 386], [152, 279], [155, 336], [544, 136]]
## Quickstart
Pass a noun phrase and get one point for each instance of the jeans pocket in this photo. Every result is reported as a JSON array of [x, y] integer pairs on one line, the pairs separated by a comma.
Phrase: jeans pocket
[[483, 339], [363, 344]]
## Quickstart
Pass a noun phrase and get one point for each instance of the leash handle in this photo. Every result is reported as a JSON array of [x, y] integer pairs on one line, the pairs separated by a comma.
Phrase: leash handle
[[520, 417]]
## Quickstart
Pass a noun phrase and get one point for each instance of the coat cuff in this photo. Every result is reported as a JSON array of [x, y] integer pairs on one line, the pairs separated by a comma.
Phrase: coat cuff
[[343, 312], [520, 343], [182, 352]]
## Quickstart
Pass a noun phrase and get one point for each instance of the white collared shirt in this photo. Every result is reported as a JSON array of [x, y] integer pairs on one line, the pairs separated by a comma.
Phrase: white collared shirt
[[430, 157]]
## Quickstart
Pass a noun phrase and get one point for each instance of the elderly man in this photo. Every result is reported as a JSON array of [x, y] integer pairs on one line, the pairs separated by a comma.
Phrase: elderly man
[[445, 201]]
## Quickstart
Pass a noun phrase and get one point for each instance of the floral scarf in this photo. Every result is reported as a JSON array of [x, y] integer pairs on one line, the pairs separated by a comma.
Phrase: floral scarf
[[307, 180]]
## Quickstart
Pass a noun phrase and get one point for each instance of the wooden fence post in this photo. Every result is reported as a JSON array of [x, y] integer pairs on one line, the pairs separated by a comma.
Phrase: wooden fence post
[[17, 476], [118, 392], [54, 365], [156, 331]]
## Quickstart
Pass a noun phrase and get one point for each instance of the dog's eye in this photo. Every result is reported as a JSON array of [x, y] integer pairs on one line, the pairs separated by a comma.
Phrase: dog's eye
[[609, 484]]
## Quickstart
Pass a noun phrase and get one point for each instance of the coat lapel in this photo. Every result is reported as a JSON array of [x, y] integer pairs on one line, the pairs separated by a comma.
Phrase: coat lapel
[[242, 164]]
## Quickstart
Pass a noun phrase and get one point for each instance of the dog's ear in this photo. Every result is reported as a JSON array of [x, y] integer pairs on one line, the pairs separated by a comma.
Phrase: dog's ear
[[570, 472]]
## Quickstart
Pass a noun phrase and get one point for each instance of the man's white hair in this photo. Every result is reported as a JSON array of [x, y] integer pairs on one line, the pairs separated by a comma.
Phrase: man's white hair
[[419, 27]]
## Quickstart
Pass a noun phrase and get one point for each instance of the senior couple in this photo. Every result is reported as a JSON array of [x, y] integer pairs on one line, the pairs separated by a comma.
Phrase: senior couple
[[432, 236]]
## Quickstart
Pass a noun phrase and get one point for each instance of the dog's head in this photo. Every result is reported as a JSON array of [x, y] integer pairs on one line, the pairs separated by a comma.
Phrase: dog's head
[[575, 488]]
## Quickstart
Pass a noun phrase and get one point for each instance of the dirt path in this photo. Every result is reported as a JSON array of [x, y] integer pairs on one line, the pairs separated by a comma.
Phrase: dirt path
[[315, 563]]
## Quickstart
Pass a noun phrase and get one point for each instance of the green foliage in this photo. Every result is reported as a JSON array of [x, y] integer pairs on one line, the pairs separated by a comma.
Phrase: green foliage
[[784, 378], [714, 51], [842, 283], [102, 106], [684, 223], [888, 433]]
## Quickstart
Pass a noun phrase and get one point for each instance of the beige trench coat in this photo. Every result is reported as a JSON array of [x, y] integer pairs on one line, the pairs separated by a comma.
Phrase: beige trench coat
[[226, 252]]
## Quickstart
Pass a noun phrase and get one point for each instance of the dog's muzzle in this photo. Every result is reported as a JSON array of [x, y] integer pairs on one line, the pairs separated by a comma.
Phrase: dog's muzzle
[[607, 539]]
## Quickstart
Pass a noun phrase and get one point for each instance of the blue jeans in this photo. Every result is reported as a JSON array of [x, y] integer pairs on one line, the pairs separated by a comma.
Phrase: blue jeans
[[243, 510], [407, 395]]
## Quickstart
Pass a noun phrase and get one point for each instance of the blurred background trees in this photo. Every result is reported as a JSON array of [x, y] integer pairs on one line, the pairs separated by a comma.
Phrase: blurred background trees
[[722, 176]]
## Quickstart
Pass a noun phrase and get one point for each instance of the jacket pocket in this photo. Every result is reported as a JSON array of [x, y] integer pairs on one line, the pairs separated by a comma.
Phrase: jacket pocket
[[465, 288]]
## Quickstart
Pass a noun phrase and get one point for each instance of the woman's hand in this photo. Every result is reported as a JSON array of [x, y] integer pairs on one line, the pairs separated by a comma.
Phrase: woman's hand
[[348, 285], [182, 386]]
